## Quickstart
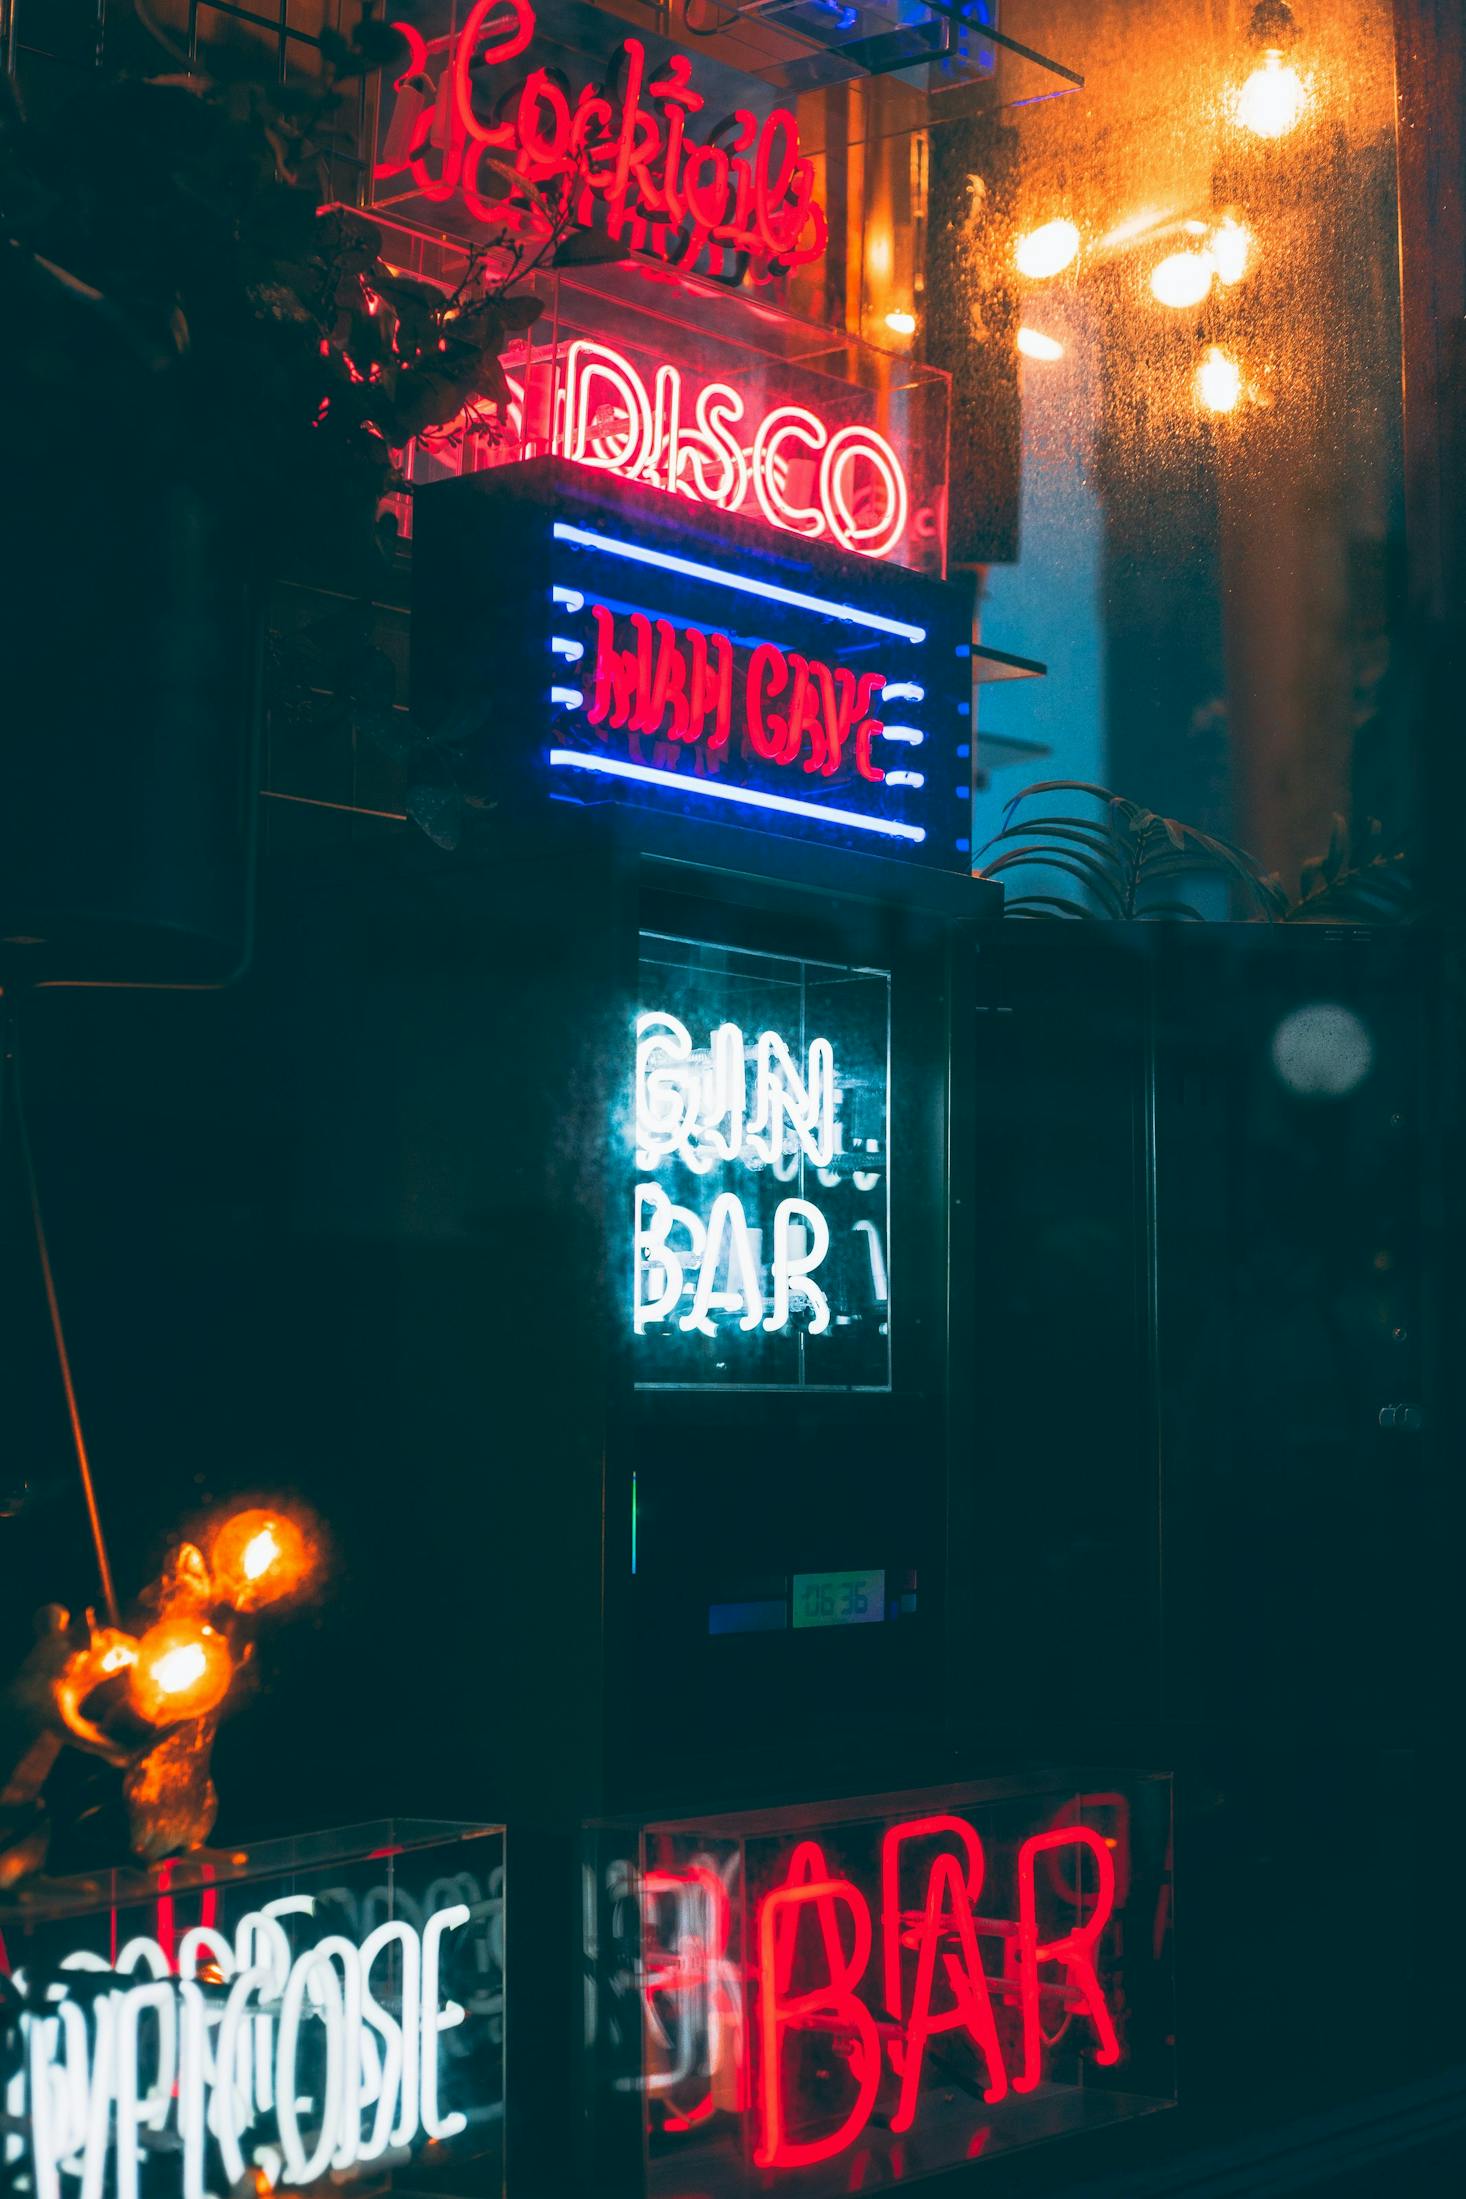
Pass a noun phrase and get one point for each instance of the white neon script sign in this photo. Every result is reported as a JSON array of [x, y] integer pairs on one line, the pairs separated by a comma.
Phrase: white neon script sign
[[213, 2055], [697, 443], [702, 1108]]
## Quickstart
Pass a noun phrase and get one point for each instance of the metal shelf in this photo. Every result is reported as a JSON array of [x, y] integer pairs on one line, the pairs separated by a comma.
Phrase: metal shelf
[[989, 665]]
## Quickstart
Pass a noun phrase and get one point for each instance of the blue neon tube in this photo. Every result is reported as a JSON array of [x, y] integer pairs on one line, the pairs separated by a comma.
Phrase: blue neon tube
[[749, 797], [639, 554]]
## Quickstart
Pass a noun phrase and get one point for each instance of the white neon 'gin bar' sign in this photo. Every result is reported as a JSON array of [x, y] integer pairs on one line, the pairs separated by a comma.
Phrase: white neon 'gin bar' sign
[[759, 1217], [248, 2056]]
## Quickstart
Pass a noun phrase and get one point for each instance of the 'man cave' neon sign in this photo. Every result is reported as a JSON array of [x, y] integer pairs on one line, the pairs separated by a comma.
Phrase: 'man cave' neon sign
[[237, 2053], [786, 466], [601, 644], [626, 149], [793, 711]]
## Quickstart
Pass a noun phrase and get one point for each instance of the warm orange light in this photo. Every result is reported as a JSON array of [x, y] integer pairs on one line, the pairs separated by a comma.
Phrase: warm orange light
[[1272, 101], [1046, 251], [901, 324], [258, 1557], [1231, 249], [183, 1668], [1182, 278], [120, 1651], [1035, 345], [1218, 380]]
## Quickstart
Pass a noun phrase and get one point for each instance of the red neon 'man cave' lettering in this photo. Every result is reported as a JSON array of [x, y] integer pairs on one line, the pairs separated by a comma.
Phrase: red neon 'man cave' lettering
[[691, 447], [662, 684], [1075, 1950], [829, 2005], [623, 143], [671, 684]]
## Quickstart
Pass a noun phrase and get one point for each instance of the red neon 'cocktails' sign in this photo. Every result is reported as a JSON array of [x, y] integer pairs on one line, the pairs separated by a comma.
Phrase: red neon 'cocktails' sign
[[628, 146]]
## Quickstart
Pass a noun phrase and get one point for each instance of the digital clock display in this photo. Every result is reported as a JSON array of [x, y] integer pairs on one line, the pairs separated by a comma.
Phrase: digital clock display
[[839, 1599]]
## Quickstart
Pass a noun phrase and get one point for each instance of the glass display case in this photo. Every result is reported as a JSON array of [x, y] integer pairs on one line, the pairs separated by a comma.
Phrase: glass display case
[[834, 1996], [320, 2010], [761, 1134]]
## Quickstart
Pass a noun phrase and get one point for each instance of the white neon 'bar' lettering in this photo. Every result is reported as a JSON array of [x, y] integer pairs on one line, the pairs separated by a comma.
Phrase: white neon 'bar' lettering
[[639, 554], [911, 734], [906, 778], [730, 1245], [903, 691], [801, 1240], [656, 1217], [748, 797], [569, 698]]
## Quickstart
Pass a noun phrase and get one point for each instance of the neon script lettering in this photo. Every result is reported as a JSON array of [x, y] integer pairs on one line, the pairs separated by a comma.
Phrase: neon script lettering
[[312, 2063], [680, 684], [625, 146], [702, 446]]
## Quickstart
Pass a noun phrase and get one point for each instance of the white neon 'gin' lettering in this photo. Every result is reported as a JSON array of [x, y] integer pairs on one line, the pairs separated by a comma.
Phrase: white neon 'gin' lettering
[[805, 1104]]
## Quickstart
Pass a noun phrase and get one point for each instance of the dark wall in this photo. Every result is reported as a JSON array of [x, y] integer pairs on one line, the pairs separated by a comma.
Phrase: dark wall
[[1219, 1520]]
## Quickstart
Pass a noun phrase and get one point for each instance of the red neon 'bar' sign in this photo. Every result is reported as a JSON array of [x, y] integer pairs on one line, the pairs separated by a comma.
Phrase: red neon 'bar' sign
[[816, 1940], [679, 683], [845, 2002], [627, 146]]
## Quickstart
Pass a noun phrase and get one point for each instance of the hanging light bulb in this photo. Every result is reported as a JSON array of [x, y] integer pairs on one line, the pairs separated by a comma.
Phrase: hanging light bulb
[[1046, 251], [1231, 249], [258, 1556], [1035, 345], [1182, 278], [183, 1668], [1218, 380], [901, 324], [1272, 101]]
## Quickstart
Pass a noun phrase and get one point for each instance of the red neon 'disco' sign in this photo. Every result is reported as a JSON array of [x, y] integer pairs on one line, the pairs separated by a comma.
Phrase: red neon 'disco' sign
[[627, 145], [845, 485]]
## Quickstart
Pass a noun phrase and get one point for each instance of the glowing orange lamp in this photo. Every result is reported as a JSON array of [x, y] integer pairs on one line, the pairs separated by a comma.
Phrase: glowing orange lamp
[[183, 1669], [1273, 100], [258, 1557]]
